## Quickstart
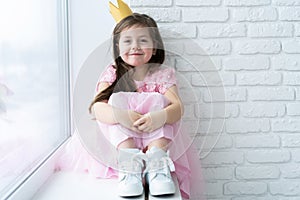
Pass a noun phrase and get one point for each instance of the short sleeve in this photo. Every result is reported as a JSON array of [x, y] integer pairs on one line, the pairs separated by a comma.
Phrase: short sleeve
[[108, 75], [166, 79]]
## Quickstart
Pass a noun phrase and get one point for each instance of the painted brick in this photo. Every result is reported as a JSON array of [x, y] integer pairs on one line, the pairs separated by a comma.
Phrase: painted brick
[[246, 131], [246, 63], [209, 47], [190, 97], [225, 94], [217, 110], [245, 188], [205, 14], [286, 62], [259, 78], [218, 173], [293, 109], [198, 64], [270, 30], [289, 14], [220, 30], [290, 140], [213, 126], [258, 141], [214, 142], [197, 2], [286, 125], [154, 3], [257, 172], [265, 109], [297, 30], [297, 93], [264, 197], [291, 78], [290, 171], [169, 60], [221, 158], [177, 30], [183, 80], [285, 188], [271, 94], [291, 46], [286, 2], [162, 14], [296, 155], [238, 126], [174, 48], [213, 79], [246, 2], [268, 156], [213, 189], [250, 47], [189, 111], [255, 14], [191, 127]]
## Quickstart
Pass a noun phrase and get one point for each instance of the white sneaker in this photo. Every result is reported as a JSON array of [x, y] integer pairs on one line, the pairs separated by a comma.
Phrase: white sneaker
[[158, 174], [130, 172]]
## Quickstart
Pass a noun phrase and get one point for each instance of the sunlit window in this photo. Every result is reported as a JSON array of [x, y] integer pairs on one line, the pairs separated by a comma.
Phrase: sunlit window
[[33, 86]]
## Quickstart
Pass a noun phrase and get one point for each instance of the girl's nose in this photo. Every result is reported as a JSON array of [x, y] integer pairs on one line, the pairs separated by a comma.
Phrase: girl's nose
[[135, 46]]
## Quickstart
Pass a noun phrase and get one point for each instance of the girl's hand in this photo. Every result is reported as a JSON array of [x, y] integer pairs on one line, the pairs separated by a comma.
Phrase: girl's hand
[[151, 121], [126, 118]]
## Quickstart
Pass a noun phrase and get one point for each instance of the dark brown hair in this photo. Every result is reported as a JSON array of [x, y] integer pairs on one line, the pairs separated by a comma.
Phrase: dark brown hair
[[123, 81]]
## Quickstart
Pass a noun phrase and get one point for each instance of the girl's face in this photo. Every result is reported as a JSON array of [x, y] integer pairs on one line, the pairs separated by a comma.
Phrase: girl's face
[[136, 46]]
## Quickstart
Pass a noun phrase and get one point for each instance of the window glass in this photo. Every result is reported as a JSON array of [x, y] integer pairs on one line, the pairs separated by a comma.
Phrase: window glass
[[33, 86]]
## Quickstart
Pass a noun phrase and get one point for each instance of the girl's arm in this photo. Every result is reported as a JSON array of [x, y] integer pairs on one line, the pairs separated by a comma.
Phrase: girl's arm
[[100, 108], [108, 114], [156, 119], [104, 112], [175, 110]]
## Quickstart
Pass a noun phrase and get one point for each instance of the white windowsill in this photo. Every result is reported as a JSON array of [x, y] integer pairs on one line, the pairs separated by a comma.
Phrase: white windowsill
[[76, 186], [46, 184], [31, 185]]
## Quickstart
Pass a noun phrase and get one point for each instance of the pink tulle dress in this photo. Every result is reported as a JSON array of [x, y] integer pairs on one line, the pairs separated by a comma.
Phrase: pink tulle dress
[[150, 97]]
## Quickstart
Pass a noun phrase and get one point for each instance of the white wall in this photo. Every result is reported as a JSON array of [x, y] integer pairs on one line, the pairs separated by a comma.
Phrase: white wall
[[255, 46], [90, 25]]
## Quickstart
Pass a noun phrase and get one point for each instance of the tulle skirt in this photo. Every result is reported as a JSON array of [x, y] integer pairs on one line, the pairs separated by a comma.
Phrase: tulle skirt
[[77, 158]]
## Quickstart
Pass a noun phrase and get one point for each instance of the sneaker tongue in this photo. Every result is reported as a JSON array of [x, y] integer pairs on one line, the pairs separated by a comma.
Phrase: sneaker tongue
[[127, 154], [156, 153]]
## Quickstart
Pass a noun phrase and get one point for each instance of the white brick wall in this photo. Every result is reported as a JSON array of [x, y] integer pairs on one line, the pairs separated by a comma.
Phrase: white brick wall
[[241, 63]]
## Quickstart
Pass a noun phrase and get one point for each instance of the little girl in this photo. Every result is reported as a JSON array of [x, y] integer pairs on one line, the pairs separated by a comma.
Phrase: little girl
[[138, 110], [142, 110]]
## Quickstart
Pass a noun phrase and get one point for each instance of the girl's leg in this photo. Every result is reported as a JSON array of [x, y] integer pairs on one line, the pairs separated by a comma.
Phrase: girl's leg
[[161, 143], [160, 167], [129, 143]]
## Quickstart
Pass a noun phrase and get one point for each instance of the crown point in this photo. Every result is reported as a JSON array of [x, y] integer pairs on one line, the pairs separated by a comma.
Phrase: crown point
[[119, 12]]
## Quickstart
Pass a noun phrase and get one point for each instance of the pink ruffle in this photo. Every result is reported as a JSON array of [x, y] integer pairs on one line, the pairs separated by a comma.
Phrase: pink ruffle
[[182, 152], [77, 159], [158, 79]]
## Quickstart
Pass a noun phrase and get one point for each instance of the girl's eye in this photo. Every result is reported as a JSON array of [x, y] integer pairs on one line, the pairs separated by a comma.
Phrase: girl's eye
[[144, 40]]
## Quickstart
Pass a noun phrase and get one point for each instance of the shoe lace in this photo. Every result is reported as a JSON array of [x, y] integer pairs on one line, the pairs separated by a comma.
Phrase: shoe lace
[[162, 166], [133, 167]]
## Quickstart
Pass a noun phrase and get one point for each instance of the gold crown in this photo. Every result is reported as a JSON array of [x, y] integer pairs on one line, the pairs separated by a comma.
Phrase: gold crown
[[120, 12]]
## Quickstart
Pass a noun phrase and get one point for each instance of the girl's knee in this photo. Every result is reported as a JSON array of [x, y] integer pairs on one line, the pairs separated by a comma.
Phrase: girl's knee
[[156, 100], [118, 100]]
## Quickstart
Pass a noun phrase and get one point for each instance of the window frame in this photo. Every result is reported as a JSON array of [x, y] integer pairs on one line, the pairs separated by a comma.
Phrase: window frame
[[38, 175]]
